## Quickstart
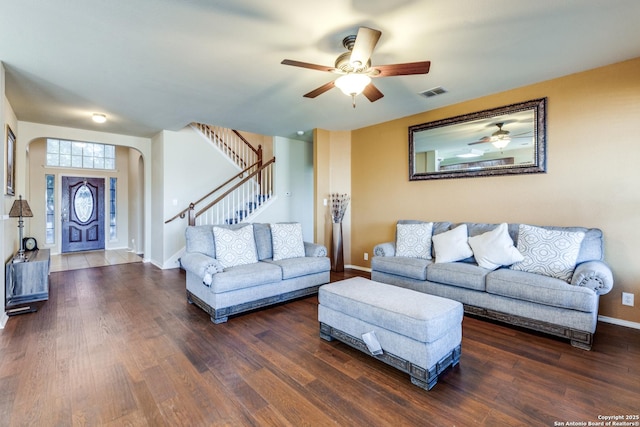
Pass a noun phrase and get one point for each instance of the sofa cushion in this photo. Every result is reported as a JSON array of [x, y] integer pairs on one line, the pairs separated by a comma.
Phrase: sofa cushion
[[414, 240], [262, 234], [199, 238], [423, 317], [287, 241], [235, 247], [296, 267], [245, 276], [494, 248], [452, 245], [414, 268], [551, 253], [460, 274], [541, 289]]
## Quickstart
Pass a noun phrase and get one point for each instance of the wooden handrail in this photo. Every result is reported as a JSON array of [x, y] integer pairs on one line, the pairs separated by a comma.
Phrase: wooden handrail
[[236, 157], [255, 150], [229, 191], [191, 206]]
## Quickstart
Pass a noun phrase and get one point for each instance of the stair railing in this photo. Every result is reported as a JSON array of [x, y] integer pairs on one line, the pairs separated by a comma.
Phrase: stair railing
[[238, 202], [192, 205], [232, 144]]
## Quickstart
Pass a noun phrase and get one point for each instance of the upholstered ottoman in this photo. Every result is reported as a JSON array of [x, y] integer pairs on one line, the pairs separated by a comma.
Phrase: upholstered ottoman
[[420, 334]]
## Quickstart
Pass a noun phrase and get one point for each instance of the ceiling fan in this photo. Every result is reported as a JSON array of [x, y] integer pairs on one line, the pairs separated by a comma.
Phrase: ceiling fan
[[354, 67], [499, 138]]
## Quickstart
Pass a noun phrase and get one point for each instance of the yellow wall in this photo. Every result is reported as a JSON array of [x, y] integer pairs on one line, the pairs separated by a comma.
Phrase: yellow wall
[[332, 166], [592, 179]]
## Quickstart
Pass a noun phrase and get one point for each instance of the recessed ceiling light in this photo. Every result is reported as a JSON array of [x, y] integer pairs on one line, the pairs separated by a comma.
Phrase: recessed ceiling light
[[99, 118]]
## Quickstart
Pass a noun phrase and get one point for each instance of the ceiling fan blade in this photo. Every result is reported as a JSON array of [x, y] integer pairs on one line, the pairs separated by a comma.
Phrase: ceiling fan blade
[[482, 140], [319, 91], [421, 67], [366, 41], [372, 93], [307, 65]]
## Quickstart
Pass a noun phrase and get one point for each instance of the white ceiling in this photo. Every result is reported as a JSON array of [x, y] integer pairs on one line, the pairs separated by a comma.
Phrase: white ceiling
[[161, 64]]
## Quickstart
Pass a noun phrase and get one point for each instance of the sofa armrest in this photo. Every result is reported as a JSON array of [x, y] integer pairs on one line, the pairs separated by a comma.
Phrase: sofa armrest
[[201, 265], [595, 275], [314, 250], [385, 249]]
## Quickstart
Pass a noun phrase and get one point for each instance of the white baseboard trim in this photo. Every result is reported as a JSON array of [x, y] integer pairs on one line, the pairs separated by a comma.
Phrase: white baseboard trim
[[619, 322], [3, 320]]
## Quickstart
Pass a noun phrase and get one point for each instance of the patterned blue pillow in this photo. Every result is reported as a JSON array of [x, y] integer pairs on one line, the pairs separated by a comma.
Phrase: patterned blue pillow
[[551, 253], [235, 247], [414, 240], [287, 241]]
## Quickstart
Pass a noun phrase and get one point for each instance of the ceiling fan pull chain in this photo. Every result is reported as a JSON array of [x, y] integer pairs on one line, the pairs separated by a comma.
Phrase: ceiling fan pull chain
[[353, 99]]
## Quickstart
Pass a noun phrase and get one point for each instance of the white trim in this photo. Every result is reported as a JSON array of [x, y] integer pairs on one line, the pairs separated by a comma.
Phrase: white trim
[[619, 322], [3, 319], [174, 260]]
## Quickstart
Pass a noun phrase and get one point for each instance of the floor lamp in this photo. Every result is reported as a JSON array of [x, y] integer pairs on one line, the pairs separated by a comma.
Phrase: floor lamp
[[20, 209]]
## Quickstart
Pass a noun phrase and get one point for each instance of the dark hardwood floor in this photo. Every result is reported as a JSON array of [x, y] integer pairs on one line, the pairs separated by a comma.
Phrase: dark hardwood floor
[[120, 345]]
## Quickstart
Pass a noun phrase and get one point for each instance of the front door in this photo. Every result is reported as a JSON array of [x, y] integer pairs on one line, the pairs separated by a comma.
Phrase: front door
[[82, 214]]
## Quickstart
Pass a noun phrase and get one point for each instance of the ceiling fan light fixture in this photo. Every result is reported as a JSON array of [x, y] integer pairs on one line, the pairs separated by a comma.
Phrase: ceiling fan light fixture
[[352, 84], [99, 118], [500, 143]]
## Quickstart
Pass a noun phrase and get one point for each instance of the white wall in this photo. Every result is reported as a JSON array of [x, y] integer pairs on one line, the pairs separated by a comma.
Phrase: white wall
[[135, 212], [154, 251], [293, 185], [5, 237], [191, 166]]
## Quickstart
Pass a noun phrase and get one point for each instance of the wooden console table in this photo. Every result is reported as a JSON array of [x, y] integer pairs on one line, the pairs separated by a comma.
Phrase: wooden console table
[[27, 282]]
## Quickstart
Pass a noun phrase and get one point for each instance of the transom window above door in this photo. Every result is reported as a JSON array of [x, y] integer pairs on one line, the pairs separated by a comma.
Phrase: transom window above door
[[76, 154]]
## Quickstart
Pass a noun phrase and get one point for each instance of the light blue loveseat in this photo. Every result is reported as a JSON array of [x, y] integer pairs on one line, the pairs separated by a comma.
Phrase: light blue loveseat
[[223, 292], [566, 308]]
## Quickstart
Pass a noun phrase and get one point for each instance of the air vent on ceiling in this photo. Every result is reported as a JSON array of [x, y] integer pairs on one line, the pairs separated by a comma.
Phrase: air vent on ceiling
[[433, 92]]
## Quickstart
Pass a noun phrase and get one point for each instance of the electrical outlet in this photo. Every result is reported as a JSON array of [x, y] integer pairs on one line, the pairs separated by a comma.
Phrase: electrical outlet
[[366, 256], [627, 299]]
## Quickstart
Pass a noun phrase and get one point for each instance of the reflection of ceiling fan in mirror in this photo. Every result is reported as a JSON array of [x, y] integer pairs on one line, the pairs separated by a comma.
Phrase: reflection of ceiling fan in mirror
[[500, 138], [355, 68]]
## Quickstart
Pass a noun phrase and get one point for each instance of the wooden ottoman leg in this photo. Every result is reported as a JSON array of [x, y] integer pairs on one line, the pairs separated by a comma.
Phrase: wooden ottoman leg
[[325, 332]]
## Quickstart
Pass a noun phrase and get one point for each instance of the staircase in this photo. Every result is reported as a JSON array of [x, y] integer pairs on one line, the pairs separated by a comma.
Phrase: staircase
[[241, 196]]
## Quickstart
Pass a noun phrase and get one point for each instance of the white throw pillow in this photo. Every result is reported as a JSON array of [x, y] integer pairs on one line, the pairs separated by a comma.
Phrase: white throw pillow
[[452, 245], [551, 253], [287, 241], [494, 248], [235, 247], [414, 240]]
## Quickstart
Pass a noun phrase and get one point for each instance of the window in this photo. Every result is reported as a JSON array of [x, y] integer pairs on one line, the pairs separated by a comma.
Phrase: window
[[113, 232], [75, 154], [50, 228]]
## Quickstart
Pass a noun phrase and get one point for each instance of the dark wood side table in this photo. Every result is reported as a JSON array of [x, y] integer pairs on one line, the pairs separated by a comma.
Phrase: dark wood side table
[[27, 282]]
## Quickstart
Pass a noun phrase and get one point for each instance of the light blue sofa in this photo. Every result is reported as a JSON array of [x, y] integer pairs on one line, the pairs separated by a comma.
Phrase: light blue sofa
[[567, 309], [223, 292]]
